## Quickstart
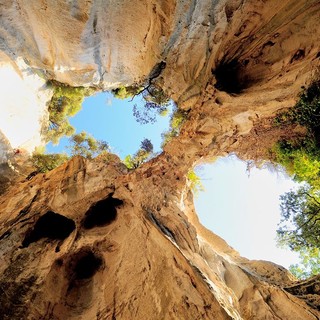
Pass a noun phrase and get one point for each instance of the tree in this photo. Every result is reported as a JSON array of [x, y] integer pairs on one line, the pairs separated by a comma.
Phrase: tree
[[299, 229], [47, 162], [156, 101], [126, 92], [87, 146], [309, 265], [301, 155], [133, 162], [300, 219], [301, 159], [176, 122], [156, 95], [148, 112], [194, 182], [65, 102], [146, 145]]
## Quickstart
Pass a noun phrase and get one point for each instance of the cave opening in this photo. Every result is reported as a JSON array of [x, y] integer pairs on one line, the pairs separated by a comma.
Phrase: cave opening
[[81, 267], [124, 122], [240, 203], [51, 225], [231, 76], [102, 213], [86, 266]]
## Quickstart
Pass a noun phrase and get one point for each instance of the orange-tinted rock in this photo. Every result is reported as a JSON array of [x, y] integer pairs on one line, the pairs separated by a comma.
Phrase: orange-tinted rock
[[90, 240]]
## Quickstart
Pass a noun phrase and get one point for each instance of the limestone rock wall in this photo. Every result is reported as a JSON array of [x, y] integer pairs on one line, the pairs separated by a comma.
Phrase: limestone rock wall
[[213, 51], [87, 42], [91, 241]]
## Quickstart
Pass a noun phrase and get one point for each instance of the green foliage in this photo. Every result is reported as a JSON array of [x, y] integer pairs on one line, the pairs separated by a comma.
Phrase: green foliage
[[309, 263], [300, 219], [148, 112], [164, 112], [156, 101], [66, 102], [126, 92], [299, 227], [81, 144], [301, 157], [128, 162], [194, 182], [176, 122], [134, 162], [306, 112], [47, 162], [146, 149], [84, 145]]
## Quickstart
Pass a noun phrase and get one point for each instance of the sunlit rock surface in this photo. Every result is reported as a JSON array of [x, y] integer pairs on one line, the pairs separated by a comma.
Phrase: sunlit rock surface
[[23, 116], [23, 105], [91, 240]]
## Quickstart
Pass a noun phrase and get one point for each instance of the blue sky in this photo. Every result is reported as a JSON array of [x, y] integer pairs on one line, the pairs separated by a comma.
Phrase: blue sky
[[112, 120], [242, 209]]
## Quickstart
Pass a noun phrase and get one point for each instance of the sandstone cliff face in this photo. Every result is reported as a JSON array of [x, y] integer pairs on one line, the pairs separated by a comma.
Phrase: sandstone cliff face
[[91, 240]]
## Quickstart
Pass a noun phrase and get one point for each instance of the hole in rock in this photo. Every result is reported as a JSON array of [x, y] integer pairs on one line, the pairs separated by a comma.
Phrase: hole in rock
[[83, 265], [127, 123], [300, 54], [51, 225], [240, 203], [101, 213], [231, 78], [87, 266], [80, 269]]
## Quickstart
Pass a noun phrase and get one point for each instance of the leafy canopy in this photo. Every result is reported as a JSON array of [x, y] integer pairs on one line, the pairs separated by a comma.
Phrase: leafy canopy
[[299, 228], [309, 265], [146, 149], [194, 182], [80, 144], [85, 145], [124, 92], [47, 162], [176, 122], [156, 101], [301, 157], [65, 102]]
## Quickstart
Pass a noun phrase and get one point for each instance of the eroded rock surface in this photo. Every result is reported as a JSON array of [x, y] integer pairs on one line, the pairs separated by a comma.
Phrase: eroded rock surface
[[91, 240]]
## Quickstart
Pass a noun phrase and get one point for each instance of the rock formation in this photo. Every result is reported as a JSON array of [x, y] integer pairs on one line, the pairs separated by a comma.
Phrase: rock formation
[[92, 240]]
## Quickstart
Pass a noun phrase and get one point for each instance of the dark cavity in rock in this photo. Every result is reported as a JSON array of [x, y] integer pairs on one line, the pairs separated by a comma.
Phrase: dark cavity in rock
[[51, 225], [101, 213], [87, 265], [231, 78]]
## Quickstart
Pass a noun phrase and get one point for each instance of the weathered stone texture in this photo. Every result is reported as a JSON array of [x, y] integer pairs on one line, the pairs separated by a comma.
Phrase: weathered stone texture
[[92, 240]]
